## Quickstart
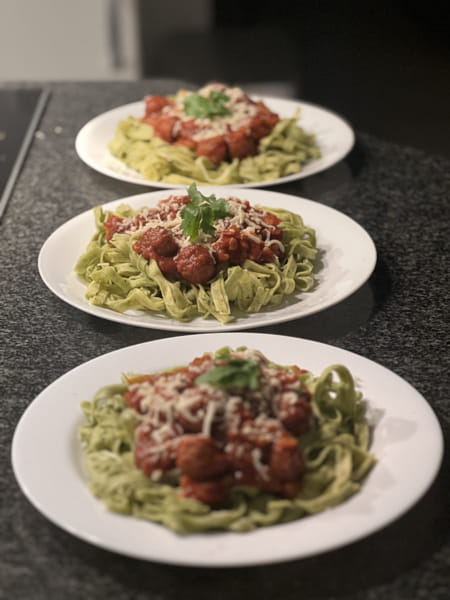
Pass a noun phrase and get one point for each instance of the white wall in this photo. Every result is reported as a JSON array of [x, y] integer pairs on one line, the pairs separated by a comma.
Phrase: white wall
[[67, 39]]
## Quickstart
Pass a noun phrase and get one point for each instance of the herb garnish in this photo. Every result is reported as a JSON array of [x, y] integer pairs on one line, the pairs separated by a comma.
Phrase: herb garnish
[[235, 373], [201, 107], [201, 213]]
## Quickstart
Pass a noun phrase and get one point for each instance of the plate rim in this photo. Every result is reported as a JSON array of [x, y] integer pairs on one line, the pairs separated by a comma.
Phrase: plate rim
[[206, 560], [198, 324], [82, 138]]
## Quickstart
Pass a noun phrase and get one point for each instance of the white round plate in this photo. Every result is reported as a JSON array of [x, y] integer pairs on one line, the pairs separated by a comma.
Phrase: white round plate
[[346, 250], [405, 432], [334, 136]]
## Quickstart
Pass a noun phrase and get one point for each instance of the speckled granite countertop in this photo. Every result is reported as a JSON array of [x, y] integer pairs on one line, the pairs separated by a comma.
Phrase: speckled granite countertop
[[399, 319]]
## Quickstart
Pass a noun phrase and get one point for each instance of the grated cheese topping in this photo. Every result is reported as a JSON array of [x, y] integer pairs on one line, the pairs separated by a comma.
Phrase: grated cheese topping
[[167, 214], [173, 405], [241, 108]]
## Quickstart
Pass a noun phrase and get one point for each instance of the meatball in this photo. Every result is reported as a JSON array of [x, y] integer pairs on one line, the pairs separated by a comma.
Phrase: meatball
[[162, 126], [151, 455], [195, 264], [193, 412], [215, 149], [191, 144], [240, 144], [159, 240], [263, 123], [154, 104], [200, 458], [294, 412], [167, 267], [210, 491], [287, 462], [188, 128]]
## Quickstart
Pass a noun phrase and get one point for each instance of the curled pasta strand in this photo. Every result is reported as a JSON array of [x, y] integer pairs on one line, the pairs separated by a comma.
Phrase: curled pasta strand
[[120, 279], [337, 460], [283, 152]]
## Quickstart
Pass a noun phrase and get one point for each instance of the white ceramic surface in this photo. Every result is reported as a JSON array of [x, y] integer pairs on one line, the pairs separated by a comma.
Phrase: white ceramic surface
[[347, 252], [47, 460], [334, 136]]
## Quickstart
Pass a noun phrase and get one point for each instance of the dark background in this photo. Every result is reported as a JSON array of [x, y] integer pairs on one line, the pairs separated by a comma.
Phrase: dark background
[[385, 66]]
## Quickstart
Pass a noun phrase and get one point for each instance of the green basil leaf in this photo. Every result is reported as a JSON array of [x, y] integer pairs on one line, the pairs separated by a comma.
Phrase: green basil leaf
[[201, 213], [201, 107], [235, 373]]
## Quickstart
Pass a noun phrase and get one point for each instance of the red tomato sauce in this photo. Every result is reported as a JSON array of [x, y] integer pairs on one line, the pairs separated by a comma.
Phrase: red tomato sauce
[[198, 263], [219, 139], [217, 438]]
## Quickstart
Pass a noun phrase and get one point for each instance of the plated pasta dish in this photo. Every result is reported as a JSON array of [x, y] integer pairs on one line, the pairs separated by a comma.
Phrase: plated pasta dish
[[231, 441], [215, 136], [194, 255]]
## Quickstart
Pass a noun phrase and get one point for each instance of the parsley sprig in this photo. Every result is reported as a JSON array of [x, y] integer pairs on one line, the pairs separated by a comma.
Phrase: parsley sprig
[[232, 373], [202, 107], [201, 213]]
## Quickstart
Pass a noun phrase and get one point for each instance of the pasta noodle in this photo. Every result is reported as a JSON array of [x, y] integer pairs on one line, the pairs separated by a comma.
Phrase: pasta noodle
[[120, 279], [283, 152], [283, 149], [336, 450]]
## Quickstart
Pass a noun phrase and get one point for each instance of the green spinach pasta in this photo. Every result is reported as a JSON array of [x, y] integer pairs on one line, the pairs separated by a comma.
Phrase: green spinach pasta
[[193, 255], [231, 441], [216, 136]]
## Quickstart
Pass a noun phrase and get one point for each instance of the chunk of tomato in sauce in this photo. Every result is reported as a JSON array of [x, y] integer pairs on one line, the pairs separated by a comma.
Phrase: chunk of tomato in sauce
[[112, 225], [163, 126], [171, 206], [188, 142], [154, 104]]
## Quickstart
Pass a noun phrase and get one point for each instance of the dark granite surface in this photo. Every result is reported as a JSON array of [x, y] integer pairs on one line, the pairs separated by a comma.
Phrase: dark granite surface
[[399, 319]]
